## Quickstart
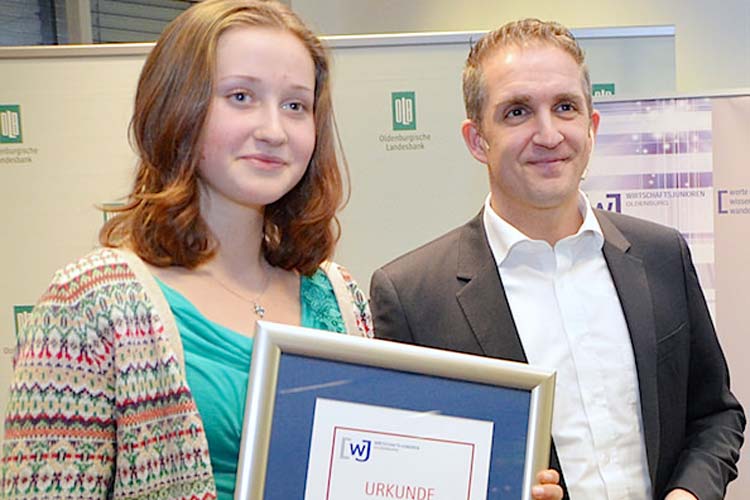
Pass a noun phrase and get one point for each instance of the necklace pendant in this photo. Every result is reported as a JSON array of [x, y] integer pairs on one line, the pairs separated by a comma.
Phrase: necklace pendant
[[260, 311]]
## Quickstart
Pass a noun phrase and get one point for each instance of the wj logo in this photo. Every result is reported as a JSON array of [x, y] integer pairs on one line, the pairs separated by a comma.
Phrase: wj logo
[[614, 203], [404, 110], [10, 124], [360, 451]]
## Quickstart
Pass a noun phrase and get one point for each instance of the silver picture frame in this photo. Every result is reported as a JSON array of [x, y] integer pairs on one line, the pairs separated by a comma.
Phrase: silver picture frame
[[273, 342]]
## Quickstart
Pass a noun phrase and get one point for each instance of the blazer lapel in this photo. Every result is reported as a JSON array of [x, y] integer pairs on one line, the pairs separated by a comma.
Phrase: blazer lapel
[[485, 305], [629, 276], [483, 299]]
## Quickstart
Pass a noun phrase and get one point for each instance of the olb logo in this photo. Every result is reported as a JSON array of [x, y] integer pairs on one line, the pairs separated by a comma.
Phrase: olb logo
[[602, 89], [10, 124], [404, 110], [21, 316]]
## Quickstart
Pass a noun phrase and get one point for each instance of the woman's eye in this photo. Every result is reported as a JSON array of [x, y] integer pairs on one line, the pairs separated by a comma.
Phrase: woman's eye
[[295, 106], [240, 96]]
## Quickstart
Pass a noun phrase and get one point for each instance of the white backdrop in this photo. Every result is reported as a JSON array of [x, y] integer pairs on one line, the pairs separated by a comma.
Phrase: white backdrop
[[74, 105], [402, 198]]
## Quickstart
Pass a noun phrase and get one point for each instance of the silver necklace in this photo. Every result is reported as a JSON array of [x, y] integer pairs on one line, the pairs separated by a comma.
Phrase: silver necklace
[[258, 308]]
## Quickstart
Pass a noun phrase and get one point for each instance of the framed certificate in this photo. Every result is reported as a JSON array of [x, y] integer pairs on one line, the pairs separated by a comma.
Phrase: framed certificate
[[335, 417]]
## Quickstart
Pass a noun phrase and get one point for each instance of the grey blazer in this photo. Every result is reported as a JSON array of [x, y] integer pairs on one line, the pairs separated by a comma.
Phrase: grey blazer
[[448, 294]]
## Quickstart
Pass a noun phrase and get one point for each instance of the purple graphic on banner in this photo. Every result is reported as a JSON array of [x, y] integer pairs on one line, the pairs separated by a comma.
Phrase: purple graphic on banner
[[671, 180], [662, 143], [653, 159]]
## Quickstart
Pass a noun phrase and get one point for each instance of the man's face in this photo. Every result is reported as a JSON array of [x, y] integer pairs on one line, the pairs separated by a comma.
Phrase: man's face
[[536, 132]]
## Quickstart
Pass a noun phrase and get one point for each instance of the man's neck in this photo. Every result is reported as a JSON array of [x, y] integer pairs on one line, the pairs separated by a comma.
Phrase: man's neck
[[546, 224]]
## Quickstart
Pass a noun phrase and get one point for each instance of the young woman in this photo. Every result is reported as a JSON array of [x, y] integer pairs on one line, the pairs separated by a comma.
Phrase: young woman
[[131, 375], [130, 380]]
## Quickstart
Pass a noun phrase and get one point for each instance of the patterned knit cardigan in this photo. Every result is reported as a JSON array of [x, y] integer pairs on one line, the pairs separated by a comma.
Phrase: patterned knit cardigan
[[99, 405]]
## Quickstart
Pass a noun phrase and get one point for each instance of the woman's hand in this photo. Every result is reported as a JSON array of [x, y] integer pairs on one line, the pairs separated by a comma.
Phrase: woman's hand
[[547, 487]]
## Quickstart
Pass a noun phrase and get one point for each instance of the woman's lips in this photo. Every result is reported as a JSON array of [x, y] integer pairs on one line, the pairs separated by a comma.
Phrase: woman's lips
[[263, 161]]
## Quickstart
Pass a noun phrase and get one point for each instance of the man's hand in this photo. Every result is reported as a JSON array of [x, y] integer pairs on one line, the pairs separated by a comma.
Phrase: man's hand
[[679, 494], [547, 487]]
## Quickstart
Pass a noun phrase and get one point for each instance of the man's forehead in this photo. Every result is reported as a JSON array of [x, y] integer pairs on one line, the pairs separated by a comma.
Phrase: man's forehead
[[547, 64], [509, 52]]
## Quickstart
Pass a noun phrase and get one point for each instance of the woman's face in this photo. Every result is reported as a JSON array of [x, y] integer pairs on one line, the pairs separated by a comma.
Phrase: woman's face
[[259, 134]]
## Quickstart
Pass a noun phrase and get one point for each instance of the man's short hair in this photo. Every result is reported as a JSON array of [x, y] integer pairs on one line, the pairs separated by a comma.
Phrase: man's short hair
[[523, 33]]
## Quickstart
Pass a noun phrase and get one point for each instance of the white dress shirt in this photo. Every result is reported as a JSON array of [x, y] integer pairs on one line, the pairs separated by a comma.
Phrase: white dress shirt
[[569, 319]]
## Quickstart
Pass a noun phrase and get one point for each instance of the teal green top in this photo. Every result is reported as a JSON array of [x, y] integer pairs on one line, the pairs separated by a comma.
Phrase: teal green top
[[217, 366]]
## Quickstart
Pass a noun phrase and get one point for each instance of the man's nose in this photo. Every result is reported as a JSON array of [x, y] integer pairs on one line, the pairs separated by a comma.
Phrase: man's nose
[[547, 132]]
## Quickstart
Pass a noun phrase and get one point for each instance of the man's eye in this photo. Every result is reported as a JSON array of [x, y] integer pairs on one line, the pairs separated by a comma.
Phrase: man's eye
[[515, 113]]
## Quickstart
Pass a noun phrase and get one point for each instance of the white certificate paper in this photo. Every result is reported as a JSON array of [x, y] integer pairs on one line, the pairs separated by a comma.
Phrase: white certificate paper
[[365, 452]]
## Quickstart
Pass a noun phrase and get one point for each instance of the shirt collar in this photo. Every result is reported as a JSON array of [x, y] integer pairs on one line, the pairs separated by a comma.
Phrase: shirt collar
[[503, 237]]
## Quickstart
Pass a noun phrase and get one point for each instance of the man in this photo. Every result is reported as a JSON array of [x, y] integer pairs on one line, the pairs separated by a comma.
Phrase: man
[[612, 303]]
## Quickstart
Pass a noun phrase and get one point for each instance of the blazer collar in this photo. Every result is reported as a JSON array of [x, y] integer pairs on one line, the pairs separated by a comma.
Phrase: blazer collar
[[483, 299], [630, 280], [485, 305]]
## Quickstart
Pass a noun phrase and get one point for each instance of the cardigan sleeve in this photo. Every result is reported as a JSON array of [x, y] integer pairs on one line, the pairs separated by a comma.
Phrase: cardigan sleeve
[[99, 406], [60, 423]]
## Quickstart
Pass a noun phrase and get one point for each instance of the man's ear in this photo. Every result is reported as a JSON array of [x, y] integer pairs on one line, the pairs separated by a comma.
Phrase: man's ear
[[595, 117], [477, 145]]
